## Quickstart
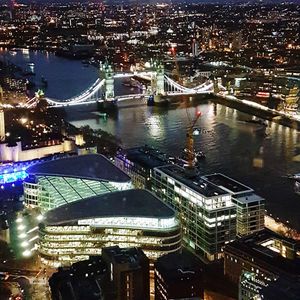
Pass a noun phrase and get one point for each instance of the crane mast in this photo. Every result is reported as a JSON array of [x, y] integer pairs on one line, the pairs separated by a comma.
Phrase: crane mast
[[190, 141], [189, 135]]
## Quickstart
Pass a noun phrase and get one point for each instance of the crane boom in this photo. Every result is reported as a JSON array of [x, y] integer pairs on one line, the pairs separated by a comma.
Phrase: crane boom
[[190, 142]]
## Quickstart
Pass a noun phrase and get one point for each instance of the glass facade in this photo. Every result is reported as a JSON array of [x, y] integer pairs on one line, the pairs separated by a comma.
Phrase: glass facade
[[208, 222], [138, 174], [250, 214], [50, 192], [66, 244]]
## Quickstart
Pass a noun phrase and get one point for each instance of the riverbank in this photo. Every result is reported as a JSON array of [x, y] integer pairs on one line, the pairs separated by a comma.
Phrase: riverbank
[[281, 228], [104, 142], [259, 110]]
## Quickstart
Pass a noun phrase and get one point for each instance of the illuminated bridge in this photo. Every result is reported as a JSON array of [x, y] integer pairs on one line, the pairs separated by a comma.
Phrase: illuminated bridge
[[160, 85]]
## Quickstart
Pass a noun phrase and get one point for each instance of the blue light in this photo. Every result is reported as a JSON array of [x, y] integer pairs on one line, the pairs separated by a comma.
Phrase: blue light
[[12, 177], [12, 172]]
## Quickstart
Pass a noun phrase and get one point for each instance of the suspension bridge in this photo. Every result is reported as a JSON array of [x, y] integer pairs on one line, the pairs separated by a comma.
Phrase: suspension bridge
[[102, 90]]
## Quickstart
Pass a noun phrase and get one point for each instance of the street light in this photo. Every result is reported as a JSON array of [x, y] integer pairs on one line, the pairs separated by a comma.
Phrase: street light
[[27, 253]]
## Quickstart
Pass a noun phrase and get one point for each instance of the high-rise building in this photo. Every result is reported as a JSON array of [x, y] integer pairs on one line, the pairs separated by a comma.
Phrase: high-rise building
[[2, 126], [139, 163], [291, 101], [250, 208], [195, 48], [264, 253], [82, 280], [1, 94], [178, 276], [252, 287], [128, 274], [206, 212]]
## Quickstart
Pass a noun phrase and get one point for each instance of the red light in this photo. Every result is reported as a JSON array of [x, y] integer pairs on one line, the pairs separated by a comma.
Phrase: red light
[[198, 113]]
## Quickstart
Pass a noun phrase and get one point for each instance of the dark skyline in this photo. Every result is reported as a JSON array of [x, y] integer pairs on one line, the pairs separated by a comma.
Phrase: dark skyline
[[141, 2]]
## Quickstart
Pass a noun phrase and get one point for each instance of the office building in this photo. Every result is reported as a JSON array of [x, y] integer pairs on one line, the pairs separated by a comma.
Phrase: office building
[[264, 253], [127, 274], [178, 276], [250, 208], [131, 218], [207, 213], [54, 183], [251, 287], [2, 126], [195, 48], [83, 280], [139, 163]]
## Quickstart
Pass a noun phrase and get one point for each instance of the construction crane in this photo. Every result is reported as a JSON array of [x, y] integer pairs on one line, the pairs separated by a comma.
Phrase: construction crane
[[190, 151]]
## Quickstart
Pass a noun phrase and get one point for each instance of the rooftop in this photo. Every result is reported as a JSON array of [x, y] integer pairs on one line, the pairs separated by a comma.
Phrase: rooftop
[[252, 247], [227, 183], [175, 266], [70, 282], [282, 288], [90, 166], [117, 255], [247, 199], [146, 157], [196, 183], [134, 203]]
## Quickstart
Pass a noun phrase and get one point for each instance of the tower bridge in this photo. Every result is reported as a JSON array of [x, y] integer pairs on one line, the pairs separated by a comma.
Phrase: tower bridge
[[102, 90]]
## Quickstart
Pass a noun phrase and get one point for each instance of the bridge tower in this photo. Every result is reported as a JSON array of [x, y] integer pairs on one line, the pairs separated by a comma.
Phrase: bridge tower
[[217, 82], [160, 80], [158, 85], [107, 73]]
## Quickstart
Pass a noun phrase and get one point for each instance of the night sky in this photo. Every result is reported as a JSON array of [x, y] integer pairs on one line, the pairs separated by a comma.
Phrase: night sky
[[157, 1]]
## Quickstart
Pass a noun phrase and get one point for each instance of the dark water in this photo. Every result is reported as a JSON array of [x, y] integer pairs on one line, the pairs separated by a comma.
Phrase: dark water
[[231, 145]]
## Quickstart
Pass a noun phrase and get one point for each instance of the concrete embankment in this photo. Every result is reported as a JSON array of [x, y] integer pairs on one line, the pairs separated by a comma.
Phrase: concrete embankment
[[258, 110]]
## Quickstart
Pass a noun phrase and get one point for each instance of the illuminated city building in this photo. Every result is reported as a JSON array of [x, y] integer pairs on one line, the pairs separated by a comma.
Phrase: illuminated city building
[[17, 153], [2, 125], [58, 182], [250, 286], [118, 274], [207, 213], [139, 163], [264, 253], [291, 102], [131, 218], [178, 276], [195, 48], [250, 208], [127, 273]]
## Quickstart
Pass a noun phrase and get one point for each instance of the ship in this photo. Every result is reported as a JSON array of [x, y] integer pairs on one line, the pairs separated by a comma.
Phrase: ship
[[29, 69], [296, 178], [198, 156], [297, 187], [257, 121]]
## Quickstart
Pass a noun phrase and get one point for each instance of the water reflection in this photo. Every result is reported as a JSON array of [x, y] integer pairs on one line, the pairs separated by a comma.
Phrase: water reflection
[[232, 146], [154, 124]]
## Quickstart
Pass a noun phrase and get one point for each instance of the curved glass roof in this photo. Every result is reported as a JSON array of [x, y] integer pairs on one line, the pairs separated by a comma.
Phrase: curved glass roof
[[129, 203], [90, 166]]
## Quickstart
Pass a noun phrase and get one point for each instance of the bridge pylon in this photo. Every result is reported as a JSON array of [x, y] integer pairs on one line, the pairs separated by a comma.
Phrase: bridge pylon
[[217, 82], [158, 84], [107, 73]]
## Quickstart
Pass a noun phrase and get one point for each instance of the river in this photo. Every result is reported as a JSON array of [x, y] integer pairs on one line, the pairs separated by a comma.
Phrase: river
[[232, 146]]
